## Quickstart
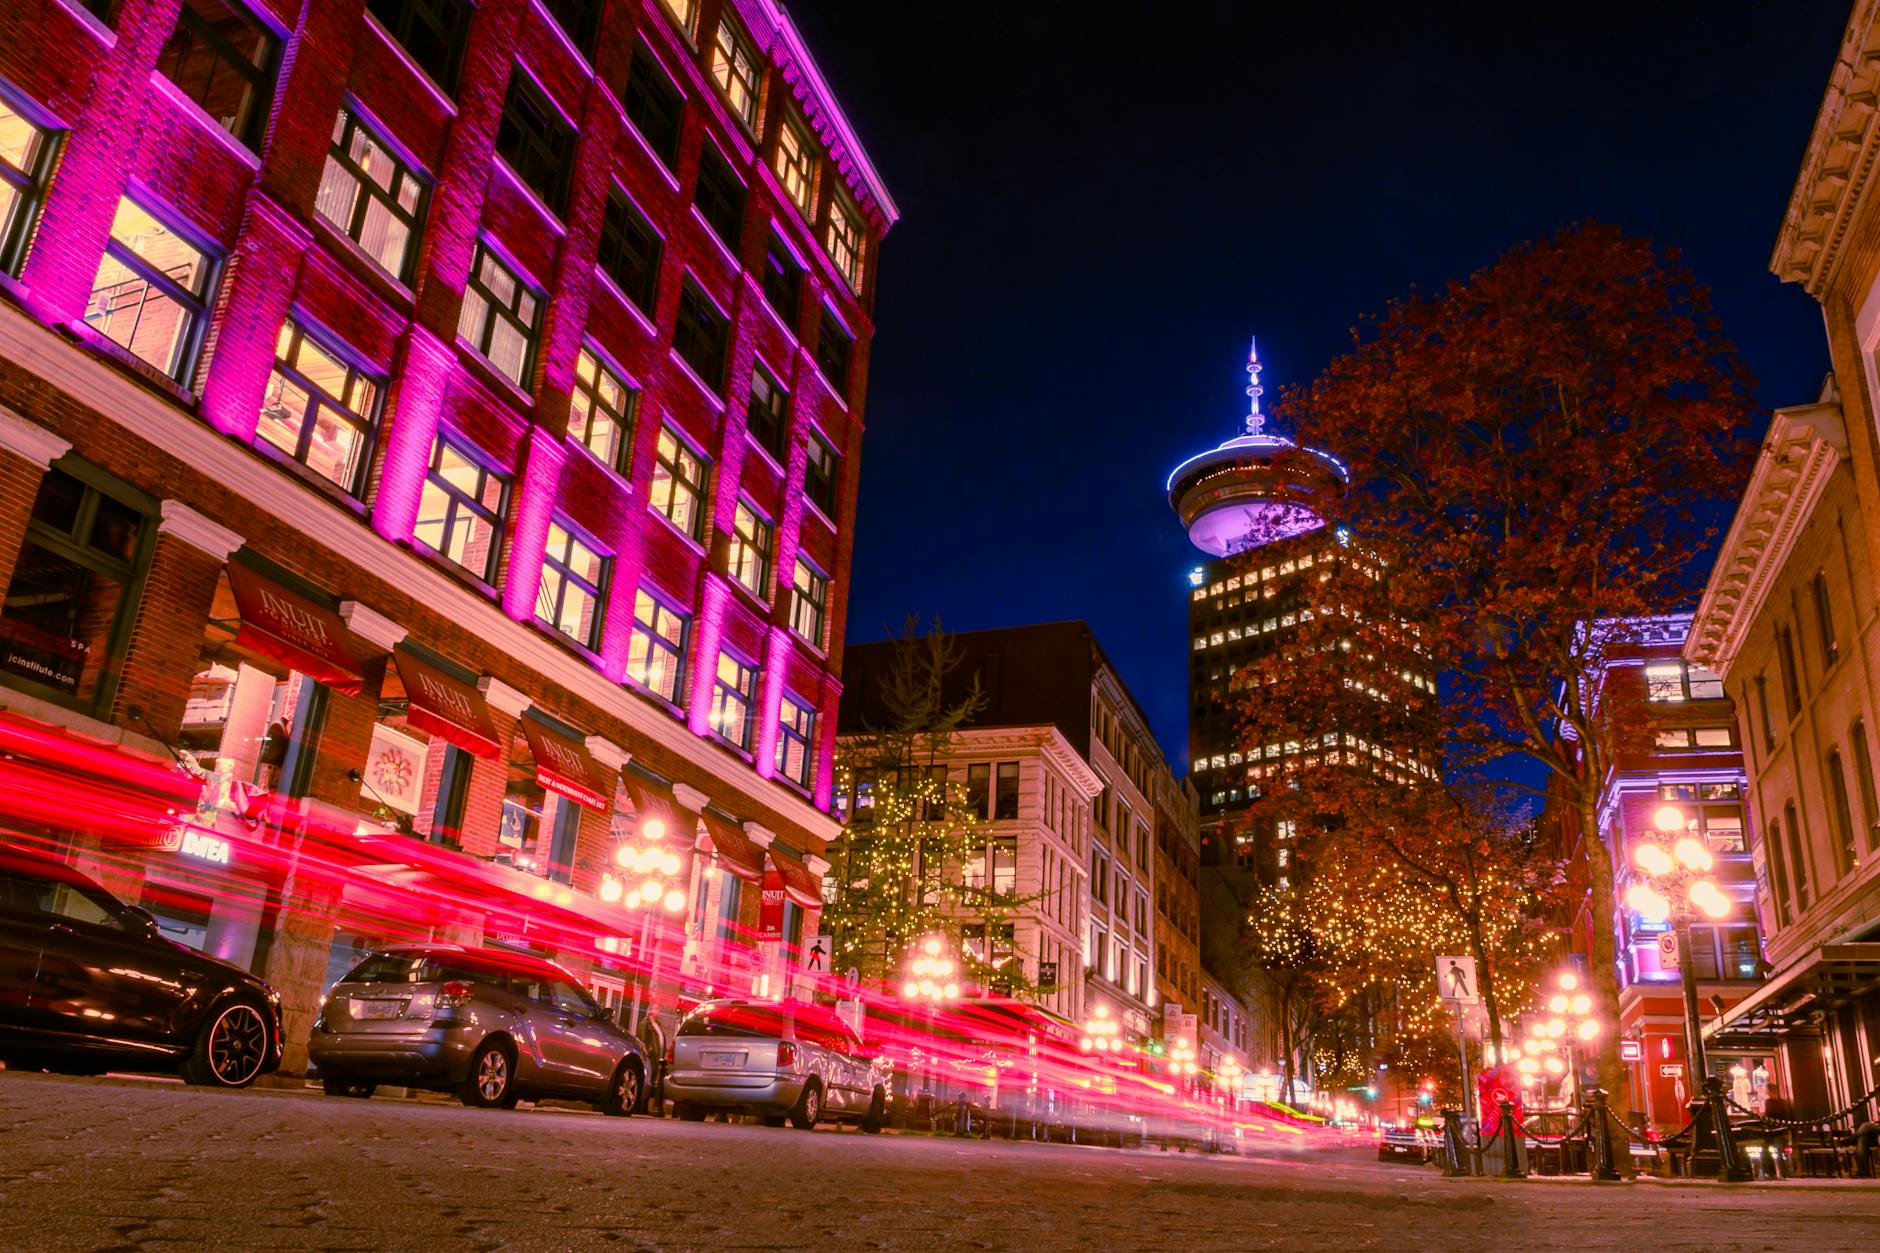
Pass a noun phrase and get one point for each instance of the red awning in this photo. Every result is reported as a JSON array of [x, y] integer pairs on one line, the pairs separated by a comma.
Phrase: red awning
[[446, 706], [563, 764], [740, 855], [293, 630], [655, 802], [800, 884]]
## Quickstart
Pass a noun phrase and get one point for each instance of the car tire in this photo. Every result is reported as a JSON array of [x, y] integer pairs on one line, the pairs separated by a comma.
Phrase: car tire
[[685, 1111], [491, 1081], [231, 1049], [625, 1091], [343, 1085], [808, 1110], [877, 1113]]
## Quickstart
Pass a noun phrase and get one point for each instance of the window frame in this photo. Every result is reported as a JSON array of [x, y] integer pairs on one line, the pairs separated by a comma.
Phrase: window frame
[[804, 166], [1824, 623], [426, 12], [646, 98], [673, 649], [621, 222], [186, 354], [549, 138], [819, 606], [567, 575], [366, 190], [263, 80], [469, 453], [834, 366], [690, 330], [30, 183], [782, 281], [721, 199], [585, 392], [366, 424], [531, 332], [752, 541], [845, 248], [776, 409], [682, 448], [587, 21], [722, 66], [811, 474], [790, 732], [725, 695]]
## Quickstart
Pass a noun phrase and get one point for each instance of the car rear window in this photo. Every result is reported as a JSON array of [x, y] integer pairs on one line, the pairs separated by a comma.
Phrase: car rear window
[[415, 968], [739, 1020]]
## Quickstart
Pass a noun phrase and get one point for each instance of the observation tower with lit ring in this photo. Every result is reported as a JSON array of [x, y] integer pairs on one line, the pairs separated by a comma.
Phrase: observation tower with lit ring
[[1256, 488]]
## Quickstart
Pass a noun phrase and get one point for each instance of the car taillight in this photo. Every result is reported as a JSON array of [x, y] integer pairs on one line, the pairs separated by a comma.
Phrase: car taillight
[[786, 1054], [454, 993]]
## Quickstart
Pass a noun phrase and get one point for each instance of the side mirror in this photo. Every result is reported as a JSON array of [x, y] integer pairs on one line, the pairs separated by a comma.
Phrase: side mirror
[[143, 918]]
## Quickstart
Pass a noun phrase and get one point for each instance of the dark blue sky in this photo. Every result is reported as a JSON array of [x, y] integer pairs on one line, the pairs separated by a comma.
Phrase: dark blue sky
[[1099, 206]]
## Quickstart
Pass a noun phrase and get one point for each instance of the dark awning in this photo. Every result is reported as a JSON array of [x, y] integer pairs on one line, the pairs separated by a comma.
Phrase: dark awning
[[655, 802], [444, 705], [1829, 976], [563, 764], [740, 854], [800, 883], [293, 630]]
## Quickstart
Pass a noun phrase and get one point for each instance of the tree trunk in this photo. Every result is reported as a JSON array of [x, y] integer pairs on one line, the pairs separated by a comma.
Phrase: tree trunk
[[1485, 979], [1605, 960]]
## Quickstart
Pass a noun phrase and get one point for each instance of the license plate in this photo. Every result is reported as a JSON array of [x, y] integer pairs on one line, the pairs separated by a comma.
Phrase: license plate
[[722, 1061], [378, 1009]]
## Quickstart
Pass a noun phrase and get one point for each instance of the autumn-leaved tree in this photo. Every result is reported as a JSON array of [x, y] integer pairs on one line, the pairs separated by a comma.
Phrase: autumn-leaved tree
[[911, 862], [1536, 449]]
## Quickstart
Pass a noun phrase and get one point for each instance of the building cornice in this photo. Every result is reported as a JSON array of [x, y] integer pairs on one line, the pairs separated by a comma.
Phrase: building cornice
[[1799, 455], [28, 439], [1047, 741], [178, 519], [33, 348], [1838, 164]]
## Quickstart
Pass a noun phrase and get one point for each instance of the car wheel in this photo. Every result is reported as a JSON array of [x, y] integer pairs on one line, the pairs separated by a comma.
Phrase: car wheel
[[877, 1113], [808, 1109], [624, 1093], [492, 1081], [341, 1085], [685, 1111], [232, 1048]]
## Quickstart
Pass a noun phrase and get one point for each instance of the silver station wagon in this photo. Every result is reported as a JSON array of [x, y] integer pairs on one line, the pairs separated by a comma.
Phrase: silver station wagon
[[777, 1059], [490, 1025]]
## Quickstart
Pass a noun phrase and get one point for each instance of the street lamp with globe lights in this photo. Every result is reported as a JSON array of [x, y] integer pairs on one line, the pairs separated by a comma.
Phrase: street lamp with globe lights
[[1567, 1021], [930, 979], [1230, 1080], [1674, 884], [645, 878]]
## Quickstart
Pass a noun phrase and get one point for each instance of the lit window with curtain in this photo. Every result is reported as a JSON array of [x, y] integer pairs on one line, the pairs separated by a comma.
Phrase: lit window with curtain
[[320, 408], [27, 152], [735, 70], [574, 585], [796, 740], [656, 656], [371, 196]]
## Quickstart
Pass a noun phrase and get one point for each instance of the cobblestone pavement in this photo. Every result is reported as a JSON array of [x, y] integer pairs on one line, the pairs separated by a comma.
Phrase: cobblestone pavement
[[113, 1164]]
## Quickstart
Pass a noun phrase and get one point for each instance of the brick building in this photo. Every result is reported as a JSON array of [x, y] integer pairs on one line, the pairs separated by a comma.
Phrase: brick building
[[440, 425]]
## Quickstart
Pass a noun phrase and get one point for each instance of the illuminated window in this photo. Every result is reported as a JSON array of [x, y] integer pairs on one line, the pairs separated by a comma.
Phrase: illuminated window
[[699, 337], [843, 239], [151, 291], [796, 163], [431, 32], [500, 316], [820, 472], [734, 66], [536, 141], [371, 196], [222, 59], [796, 725], [1005, 791], [629, 252], [319, 409], [809, 599], [26, 154], [766, 417], [677, 493], [734, 694], [574, 585], [752, 538], [653, 105], [719, 196], [656, 656], [684, 12], [1674, 681], [460, 509], [601, 416]]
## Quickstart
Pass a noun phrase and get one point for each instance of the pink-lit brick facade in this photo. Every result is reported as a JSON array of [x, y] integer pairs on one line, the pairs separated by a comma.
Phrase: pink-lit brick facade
[[110, 91]]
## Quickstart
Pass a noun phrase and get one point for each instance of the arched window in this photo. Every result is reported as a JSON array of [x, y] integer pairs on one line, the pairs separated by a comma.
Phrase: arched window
[[1863, 778], [1778, 873], [1844, 846]]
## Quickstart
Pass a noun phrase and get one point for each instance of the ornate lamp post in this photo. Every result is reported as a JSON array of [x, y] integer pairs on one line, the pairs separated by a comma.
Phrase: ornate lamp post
[[1568, 1021], [930, 980], [645, 878], [1674, 882], [1230, 1080]]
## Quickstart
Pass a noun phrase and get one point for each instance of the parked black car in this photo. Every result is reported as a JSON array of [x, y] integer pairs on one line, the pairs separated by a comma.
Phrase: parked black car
[[491, 1025], [87, 984]]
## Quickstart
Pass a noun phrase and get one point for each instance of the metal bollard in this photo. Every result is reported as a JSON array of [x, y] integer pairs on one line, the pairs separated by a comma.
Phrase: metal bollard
[[1511, 1164], [1598, 1119], [1731, 1168], [1455, 1159]]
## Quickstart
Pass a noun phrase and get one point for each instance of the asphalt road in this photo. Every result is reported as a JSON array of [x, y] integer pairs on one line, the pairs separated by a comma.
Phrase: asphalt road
[[113, 1164]]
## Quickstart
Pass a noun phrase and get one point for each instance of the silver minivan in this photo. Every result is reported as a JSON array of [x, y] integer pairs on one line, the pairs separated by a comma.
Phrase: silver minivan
[[778, 1059]]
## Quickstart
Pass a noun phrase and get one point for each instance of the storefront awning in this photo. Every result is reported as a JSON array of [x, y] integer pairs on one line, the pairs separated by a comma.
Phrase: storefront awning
[[293, 630], [736, 850], [655, 803], [800, 884], [1830, 976], [563, 764], [444, 705]]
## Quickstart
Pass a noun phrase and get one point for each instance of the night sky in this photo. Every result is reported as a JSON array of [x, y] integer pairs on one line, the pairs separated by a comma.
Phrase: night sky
[[1100, 205]]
